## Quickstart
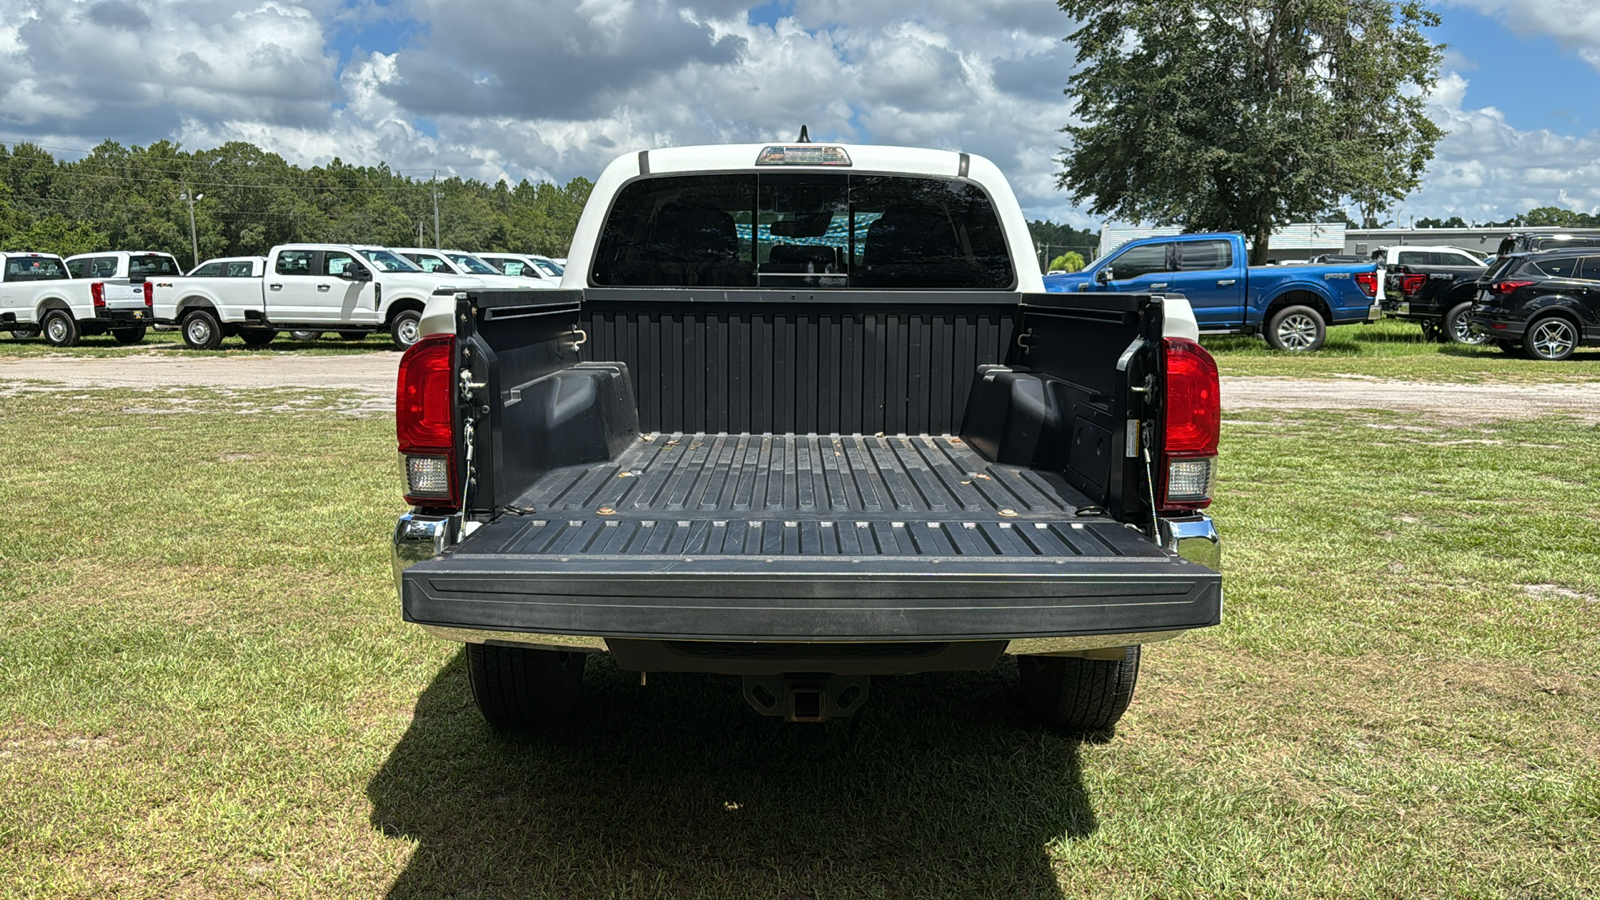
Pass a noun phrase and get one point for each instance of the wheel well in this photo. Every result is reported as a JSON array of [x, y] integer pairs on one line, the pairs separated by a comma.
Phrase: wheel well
[[53, 303], [400, 306], [1558, 312], [1298, 298], [189, 303]]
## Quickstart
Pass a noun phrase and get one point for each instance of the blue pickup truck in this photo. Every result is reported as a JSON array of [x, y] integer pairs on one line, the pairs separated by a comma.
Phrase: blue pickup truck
[[1291, 306]]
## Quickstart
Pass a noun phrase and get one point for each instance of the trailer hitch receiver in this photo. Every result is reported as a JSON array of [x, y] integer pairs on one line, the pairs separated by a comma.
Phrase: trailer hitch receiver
[[806, 697]]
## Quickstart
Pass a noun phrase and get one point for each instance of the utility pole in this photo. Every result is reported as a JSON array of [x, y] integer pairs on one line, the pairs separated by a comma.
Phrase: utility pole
[[435, 209], [194, 239]]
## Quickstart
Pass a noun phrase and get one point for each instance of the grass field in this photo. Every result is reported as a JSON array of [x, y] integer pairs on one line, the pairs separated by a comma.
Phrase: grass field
[[205, 690]]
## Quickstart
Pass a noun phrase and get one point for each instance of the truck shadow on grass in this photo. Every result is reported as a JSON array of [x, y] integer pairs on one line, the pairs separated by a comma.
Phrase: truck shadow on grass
[[937, 788]]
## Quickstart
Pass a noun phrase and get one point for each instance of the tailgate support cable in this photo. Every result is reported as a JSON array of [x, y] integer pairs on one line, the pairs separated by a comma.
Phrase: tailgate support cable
[[1150, 485]]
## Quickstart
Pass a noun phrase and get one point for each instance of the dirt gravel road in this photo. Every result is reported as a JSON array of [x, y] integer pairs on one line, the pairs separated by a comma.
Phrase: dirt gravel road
[[1446, 402], [374, 374]]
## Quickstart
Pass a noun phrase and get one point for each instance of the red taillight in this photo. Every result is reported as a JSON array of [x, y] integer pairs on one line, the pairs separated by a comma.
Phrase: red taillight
[[1368, 282], [1193, 426], [425, 422], [1410, 284], [149, 295], [1506, 287], [98, 292]]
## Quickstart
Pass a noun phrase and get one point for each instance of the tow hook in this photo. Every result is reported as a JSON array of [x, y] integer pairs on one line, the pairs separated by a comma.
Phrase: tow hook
[[805, 697]]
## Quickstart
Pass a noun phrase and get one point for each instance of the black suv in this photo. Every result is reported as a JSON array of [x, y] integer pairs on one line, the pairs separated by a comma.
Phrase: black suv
[[1547, 303], [1521, 242]]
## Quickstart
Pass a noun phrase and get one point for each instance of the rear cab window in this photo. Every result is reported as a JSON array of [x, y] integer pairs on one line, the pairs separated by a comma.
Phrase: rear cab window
[[209, 270], [794, 230], [147, 265], [35, 268]]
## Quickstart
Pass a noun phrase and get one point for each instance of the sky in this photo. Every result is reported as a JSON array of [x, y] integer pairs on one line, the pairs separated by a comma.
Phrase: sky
[[554, 89]]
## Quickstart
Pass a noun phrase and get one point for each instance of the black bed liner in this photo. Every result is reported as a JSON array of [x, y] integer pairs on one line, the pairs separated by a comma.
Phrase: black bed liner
[[763, 537]]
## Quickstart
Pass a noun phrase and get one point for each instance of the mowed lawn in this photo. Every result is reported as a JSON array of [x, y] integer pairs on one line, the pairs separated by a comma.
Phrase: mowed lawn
[[205, 690]]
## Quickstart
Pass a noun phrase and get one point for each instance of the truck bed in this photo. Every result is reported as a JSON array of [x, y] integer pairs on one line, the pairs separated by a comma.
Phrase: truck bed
[[780, 537]]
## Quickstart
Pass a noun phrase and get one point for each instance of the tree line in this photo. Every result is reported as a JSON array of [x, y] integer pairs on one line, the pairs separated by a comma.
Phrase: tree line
[[246, 200], [1543, 216]]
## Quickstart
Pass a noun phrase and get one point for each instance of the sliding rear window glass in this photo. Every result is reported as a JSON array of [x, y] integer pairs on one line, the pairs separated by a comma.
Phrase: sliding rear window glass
[[34, 268], [152, 265], [786, 230]]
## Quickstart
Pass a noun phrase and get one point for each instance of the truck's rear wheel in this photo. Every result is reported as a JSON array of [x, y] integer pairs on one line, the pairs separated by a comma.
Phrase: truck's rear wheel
[[60, 329], [201, 330], [406, 329], [1077, 694], [25, 333], [127, 336], [1296, 329], [518, 689], [257, 337], [304, 334], [1456, 327]]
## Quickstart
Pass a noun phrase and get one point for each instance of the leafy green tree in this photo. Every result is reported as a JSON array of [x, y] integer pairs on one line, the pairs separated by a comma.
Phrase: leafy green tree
[[54, 234], [1242, 115], [1559, 218], [1071, 261], [132, 198]]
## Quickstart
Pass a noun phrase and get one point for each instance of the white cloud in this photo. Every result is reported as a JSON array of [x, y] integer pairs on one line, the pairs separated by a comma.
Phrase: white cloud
[[1485, 169], [1575, 24], [550, 90], [131, 69]]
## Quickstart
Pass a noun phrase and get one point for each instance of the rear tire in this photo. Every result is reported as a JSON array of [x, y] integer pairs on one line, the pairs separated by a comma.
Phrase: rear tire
[[1296, 329], [521, 689], [26, 333], [258, 337], [1551, 338], [60, 329], [201, 330], [300, 334], [126, 336], [406, 329], [1456, 328], [1076, 694]]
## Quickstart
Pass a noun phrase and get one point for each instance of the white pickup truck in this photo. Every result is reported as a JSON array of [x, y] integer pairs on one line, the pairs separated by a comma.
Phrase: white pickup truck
[[806, 414], [313, 287], [38, 294], [456, 262], [525, 265]]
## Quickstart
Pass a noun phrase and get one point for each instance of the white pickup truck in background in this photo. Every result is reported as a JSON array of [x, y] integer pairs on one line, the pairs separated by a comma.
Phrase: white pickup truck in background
[[312, 287], [38, 294], [525, 265], [456, 262]]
